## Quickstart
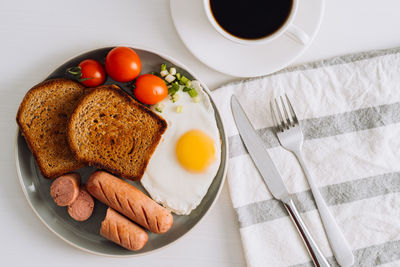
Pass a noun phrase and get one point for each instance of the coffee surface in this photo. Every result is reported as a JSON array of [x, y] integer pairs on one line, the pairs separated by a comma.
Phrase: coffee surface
[[251, 19]]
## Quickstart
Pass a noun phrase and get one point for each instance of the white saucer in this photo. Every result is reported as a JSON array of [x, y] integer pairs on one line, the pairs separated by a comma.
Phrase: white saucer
[[226, 56]]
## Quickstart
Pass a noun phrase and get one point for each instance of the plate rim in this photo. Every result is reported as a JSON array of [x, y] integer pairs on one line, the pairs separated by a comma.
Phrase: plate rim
[[258, 73], [224, 172]]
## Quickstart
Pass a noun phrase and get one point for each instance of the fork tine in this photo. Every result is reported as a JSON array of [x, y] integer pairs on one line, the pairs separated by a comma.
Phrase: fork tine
[[294, 117], [288, 121], [282, 122], [274, 118]]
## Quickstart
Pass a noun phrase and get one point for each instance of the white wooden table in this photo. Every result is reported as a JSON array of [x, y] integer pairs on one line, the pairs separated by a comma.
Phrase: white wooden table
[[37, 36]]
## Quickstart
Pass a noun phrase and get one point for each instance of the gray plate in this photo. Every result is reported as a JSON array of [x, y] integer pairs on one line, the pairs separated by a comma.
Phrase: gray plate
[[85, 235]]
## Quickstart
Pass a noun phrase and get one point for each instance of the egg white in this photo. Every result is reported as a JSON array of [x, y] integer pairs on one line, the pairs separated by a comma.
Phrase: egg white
[[167, 182]]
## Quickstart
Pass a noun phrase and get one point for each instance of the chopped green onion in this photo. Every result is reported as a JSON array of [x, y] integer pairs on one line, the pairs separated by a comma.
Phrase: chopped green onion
[[178, 76], [172, 71], [179, 109], [171, 91], [184, 80], [163, 67], [170, 78], [176, 86], [175, 97], [192, 92], [173, 88], [164, 73], [188, 83], [159, 107], [186, 89], [196, 85]]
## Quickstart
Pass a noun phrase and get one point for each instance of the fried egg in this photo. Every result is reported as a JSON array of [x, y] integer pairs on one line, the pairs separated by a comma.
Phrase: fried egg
[[187, 159]]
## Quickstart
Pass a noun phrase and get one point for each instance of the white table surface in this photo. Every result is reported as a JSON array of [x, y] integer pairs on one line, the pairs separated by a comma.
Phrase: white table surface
[[37, 36]]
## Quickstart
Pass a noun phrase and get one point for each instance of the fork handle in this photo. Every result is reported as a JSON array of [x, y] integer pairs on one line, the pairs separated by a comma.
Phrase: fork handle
[[316, 255], [340, 247]]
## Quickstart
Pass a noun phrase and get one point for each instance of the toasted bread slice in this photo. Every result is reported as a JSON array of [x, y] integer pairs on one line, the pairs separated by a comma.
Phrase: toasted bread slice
[[42, 118], [112, 131]]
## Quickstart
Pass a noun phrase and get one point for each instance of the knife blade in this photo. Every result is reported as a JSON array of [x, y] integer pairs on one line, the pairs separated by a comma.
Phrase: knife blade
[[258, 152]]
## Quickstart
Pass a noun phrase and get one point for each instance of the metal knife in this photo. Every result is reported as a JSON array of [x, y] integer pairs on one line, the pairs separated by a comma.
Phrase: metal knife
[[262, 160]]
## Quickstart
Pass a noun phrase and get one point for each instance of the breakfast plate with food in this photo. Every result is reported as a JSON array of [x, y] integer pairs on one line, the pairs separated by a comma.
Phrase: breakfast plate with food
[[120, 151]]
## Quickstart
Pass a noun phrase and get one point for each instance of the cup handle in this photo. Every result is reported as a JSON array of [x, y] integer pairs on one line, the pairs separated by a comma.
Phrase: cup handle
[[297, 34]]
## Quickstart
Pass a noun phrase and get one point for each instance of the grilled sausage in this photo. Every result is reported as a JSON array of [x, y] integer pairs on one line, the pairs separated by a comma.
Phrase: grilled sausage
[[65, 189], [129, 201], [122, 231], [83, 206]]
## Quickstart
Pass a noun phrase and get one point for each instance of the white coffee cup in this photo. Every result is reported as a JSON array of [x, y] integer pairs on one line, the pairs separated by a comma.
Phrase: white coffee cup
[[287, 28]]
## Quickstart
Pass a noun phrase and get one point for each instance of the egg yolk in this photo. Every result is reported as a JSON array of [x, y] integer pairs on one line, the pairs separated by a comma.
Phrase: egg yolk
[[195, 151]]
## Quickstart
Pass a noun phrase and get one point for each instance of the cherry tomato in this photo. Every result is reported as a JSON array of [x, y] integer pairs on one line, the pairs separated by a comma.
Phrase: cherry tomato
[[93, 73], [150, 89], [123, 64]]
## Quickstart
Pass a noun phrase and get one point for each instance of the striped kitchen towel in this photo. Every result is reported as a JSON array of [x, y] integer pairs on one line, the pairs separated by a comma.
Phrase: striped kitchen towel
[[349, 109]]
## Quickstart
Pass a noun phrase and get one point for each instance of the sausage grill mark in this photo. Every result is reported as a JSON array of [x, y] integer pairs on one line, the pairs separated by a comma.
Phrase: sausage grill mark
[[104, 194], [119, 203], [115, 226], [117, 231], [129, 241], [158, 225], [130, 207], [145, 216]]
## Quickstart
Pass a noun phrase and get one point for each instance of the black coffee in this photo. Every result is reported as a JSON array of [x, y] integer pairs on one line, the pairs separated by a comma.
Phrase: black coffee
[[251, 19]]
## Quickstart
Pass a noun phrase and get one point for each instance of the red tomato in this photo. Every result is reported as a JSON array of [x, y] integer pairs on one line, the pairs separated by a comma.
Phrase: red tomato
[[150, 89], [123, 64], [93, 73]]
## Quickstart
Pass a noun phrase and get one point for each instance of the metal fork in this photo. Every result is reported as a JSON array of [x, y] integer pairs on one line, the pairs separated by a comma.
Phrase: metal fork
[[291, 137]]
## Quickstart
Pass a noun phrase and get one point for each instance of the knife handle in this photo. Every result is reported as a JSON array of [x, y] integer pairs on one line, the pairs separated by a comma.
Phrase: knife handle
[[316, 255]]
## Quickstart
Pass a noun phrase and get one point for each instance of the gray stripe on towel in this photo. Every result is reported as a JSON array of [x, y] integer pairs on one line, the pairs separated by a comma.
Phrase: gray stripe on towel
[[369, 256], [327, 62], [352, 121], [341, 60], [336, 194]]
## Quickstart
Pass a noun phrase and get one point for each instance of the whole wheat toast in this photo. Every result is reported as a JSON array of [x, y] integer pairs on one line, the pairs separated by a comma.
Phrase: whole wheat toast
[[110, 130], [42, 118]]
